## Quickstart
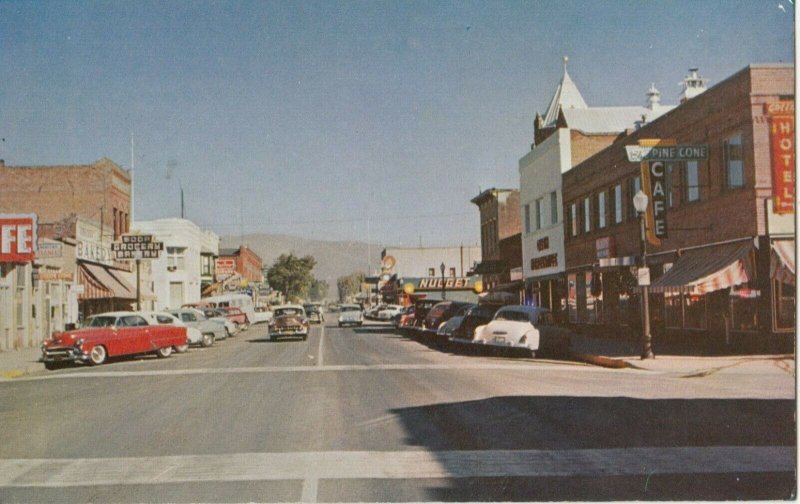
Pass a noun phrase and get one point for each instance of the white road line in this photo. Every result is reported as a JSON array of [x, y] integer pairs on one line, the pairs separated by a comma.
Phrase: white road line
[[309, 369], [319, 350], [311, 467], [310, 488]]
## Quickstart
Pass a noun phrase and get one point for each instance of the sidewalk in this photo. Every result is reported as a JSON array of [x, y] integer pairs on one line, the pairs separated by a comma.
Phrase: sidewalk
[[16, 363]]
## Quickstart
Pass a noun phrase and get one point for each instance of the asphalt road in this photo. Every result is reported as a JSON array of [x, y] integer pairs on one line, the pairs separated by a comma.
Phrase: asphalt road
[[363, 414]]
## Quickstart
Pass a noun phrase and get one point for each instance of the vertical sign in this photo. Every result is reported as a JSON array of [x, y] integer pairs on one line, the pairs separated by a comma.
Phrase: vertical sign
[[18, 237], [781, 118]]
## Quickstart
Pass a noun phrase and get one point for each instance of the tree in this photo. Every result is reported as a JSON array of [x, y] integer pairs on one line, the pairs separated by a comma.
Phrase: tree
[[318, 290], [349, 285], [291, 275]]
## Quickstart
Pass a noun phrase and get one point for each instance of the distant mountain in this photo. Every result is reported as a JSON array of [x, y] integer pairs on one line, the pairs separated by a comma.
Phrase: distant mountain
[[334, 258]]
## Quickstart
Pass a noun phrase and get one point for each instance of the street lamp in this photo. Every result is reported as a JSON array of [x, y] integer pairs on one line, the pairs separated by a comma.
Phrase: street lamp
[[640, 201], [441, 268]]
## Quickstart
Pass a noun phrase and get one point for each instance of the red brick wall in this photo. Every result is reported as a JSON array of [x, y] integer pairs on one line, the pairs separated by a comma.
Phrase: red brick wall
[[54, 192], [734, 105], [248, 264]]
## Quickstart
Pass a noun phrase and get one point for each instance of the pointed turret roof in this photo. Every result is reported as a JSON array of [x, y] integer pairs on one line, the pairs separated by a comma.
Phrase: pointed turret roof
[[566, 97]]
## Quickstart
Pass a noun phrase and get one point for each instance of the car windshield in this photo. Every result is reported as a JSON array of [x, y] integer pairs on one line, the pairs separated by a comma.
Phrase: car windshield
[[350, 308], [101, 321], [287, 311], [513, 315]]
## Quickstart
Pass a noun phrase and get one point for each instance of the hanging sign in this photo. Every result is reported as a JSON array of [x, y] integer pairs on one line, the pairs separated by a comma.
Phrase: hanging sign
[[18, 237], [781, 129], [137, 247]]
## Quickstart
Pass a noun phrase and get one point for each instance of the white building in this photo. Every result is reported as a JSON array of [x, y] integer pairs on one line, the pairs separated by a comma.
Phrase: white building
[[421, 262], [570, 132], [186, 262]]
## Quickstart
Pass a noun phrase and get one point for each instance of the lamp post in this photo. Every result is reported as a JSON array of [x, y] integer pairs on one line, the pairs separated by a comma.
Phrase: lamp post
[[441, 268], [640, 202], [137, 254]]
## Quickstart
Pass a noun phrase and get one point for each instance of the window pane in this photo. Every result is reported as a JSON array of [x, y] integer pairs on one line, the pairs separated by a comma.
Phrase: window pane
[[539, 213], [573, 210], [601, 209], [587, 215], [553, 207], [733, 161], [527, 215], [617, 204], [692, 181]]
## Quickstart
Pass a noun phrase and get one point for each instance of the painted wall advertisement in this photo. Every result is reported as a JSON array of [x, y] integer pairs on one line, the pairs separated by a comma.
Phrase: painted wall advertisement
[[781, 118], [18, 237]]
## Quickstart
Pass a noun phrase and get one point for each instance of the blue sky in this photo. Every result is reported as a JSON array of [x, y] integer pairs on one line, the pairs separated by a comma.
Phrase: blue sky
[[363, 121]]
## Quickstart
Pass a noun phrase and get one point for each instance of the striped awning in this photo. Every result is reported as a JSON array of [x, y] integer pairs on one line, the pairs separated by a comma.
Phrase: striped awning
[[708, 269], [101, 282], [782, 261]]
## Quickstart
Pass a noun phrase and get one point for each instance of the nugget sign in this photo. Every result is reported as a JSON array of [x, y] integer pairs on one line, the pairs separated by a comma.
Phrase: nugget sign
[[17, 237]]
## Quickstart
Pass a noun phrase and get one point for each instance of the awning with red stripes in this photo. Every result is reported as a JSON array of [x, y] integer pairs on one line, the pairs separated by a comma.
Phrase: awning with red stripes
[[101, 282], [782, 261], [708, 269]]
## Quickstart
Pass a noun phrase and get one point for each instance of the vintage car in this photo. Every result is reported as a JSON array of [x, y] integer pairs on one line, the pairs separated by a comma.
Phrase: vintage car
[[262, 315], [350, 314], [421, 309], [446, 328], [314, 313], [442, 312], [111, 335], [237, 316], [211, 330], [405, 318], [476, 316], [193, 336], [288, 320], [389, 312], [522, 327], [216, 315]]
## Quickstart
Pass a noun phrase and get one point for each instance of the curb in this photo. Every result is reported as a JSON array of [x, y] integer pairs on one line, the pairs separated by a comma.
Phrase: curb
[[599, 360]]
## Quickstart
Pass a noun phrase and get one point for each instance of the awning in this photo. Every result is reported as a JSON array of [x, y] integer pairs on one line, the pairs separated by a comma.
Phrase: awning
[[490, 268], [100, 282], [708, 269], [129, 278], [782, 261]]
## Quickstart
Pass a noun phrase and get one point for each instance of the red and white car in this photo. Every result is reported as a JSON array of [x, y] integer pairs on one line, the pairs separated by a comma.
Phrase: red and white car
[[111, 335]]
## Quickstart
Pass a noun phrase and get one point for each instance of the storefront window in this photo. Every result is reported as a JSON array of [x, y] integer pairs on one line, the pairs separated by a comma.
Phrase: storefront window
[[673, 316], [594, 298], [694, 311], [572, 298], [744, 308], [785, 305]]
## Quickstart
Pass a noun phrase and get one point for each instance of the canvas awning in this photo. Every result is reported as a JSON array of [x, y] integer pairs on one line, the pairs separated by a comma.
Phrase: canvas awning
[[782, 261], [129, 278], [100, 282], [708, 269]]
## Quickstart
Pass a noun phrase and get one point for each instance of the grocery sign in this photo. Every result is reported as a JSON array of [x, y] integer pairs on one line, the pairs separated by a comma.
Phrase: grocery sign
[[18, 237], [225, 267], [137, 247]]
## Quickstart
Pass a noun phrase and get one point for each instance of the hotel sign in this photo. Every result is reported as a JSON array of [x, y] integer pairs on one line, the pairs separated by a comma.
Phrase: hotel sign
[[781, 130]]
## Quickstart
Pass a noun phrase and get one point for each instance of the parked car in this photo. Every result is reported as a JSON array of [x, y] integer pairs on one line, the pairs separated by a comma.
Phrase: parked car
[[350, 314], [441, 312], [421, 309], [446, 328], [523, 327], [262, 315], [289, 320], [111, 335], [218, 316], [405, 318], [372, 312], [237, 316], [473, 318], [389, 312], [212, 331], [193, 335]]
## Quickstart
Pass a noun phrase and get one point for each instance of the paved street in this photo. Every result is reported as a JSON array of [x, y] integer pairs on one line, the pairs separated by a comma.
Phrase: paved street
[[365, 414]]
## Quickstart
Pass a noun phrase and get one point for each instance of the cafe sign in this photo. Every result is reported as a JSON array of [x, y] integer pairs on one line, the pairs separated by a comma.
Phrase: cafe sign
[[18, 237]]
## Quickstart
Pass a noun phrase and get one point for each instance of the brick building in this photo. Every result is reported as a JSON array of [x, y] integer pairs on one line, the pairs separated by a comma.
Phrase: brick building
[[723, 274], [248, 264], [500, 229]]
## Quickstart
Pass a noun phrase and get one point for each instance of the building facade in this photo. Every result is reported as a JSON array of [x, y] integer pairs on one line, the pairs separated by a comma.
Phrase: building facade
[[186, 263], [721, 270], [500, 228]]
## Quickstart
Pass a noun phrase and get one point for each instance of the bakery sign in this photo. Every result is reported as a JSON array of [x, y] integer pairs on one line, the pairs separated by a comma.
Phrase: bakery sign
[[781, 132], [18, 237]]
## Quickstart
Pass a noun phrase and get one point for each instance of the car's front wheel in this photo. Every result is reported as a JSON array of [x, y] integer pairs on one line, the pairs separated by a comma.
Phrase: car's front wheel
[[208, 340], [164, 352], [182, 348], [98, 355]]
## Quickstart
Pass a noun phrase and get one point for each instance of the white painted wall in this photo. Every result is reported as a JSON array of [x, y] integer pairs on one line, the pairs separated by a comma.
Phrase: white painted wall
[[415, 262], [179, 233], [540, 174]]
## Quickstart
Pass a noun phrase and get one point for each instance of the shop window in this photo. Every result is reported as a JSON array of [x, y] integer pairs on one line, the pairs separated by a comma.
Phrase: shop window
[[744, 308], [572, 298], [785, 305], [691, 182], [673, 309], [594, 298], [734, 164], [554, 207], [617, 195], [694, 311]]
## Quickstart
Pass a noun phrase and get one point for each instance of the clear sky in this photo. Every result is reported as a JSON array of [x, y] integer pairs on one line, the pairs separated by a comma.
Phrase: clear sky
[[331, 120]]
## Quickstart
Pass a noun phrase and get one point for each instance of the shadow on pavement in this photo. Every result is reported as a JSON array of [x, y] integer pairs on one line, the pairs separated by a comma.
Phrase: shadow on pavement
[[567, 423]]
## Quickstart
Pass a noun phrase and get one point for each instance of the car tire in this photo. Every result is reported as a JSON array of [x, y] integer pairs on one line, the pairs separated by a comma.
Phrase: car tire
[[229, 334], [208, 340], [164, 352], [181, 348], [98, 355]]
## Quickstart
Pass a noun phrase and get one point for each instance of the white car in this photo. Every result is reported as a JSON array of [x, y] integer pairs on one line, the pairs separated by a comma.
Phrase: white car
[[389, 312], [215, 315], [193, 335], [350, 314], [262, 315], [514, 326], [212, 331]]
